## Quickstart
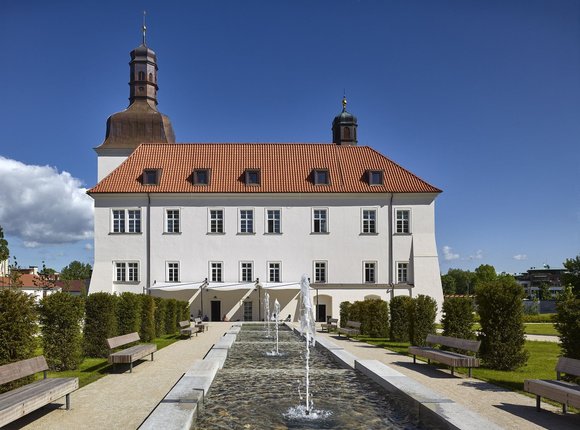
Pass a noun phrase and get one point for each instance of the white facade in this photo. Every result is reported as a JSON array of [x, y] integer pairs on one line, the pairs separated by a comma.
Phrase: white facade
[[342, 251]]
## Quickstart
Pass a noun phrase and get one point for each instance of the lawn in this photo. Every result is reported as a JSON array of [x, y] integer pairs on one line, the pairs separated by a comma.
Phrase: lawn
[[546, 329], [92, 369]]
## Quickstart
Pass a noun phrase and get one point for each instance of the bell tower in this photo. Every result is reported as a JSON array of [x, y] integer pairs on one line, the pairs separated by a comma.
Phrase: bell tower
[[344, 127], [143, 73]]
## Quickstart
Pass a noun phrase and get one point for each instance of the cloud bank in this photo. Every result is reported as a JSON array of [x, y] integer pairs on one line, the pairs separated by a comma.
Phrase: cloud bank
[[41, 206], [448, 255]]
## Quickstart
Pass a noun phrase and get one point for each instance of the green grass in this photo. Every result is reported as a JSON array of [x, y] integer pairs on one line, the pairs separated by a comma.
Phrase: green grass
[[546, 329], [92, 369]]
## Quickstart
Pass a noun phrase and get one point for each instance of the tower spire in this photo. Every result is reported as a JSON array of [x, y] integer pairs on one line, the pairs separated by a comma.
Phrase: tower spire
[[344, 126], [144, 27]]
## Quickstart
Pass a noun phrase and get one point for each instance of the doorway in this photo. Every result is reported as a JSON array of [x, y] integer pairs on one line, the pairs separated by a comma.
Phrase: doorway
[[216, 310], [321, 313], [248, 311]]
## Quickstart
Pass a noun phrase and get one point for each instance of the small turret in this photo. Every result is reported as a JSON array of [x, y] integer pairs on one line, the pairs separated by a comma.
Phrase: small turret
[[344, 127]]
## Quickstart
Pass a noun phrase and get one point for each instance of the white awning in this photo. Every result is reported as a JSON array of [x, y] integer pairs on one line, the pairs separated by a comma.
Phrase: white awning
[[172, 286], [281, 286], [224, 286]]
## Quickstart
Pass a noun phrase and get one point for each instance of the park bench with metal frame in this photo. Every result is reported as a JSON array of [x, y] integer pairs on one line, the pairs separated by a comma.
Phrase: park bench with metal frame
[[131, 354], [331, 325], [352, 328], [186, 329]]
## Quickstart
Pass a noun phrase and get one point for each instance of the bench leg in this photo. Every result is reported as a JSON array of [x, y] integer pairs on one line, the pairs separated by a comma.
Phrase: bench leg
[[452, 371], [67, 398], [152, 356], [538, 401], [131, 367], [564, 408], [414, 359], [469, 372], [428, 361]]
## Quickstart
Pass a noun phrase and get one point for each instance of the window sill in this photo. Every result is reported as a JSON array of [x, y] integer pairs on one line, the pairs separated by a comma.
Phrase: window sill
[[115, 233], [169, 233], [402, 234], [368, 234], [246, 234], [272, 234], [126, 282], [216, 233], [320, 232]]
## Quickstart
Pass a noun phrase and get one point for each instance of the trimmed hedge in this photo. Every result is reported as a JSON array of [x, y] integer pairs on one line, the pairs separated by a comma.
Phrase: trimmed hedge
[[373, 314], [160, 311], [100, 323], [501, 310], [423, 311], [400, 318], [128, 313], [458, 317], [567, 322], [61, 317], [171, 315], [18, 327], [147, 330]]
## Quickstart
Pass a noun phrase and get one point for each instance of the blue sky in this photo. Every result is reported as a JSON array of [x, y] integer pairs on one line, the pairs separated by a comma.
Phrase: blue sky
[[479, 98]]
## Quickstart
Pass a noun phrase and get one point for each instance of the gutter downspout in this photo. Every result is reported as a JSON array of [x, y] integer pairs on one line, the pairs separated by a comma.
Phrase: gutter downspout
[[391, 232], [148, 241]]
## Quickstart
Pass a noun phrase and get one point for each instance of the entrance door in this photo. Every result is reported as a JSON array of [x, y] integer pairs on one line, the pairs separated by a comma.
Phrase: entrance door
[[216, 310], [248, 311], [321, 313]]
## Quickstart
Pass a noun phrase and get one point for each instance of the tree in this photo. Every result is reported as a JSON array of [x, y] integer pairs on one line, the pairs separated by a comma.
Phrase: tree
[[464, 280], [449, 284], [4, 252], [46, 279], [485, 273], [567, 322], [573, 276], [76, 270]]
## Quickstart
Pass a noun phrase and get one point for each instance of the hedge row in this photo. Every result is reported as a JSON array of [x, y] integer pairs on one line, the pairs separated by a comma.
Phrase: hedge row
[[567, 322], [373, 314]]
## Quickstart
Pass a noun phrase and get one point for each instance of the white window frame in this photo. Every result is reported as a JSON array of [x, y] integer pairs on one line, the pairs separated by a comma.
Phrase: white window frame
[[408, 221], [375, 272], [326, 230], [269, 268], [172, 220], [242, 269], [172, 271], [402, 267], [244, 222], [126, 222], [363, 220], [216, 265], [210, 219], [315, 269], [267, 220]]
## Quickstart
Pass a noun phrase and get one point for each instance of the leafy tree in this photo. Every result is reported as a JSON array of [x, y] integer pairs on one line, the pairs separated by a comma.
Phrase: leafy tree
[[423, 311], [485, 273], [147, 331], [458, 317], [4, 252], [544, 291], [76, 270], [464, 280], [46, 279], [567, 322], [100, 323], [573, 276], [449, 284], [400, 318], [14, 274]]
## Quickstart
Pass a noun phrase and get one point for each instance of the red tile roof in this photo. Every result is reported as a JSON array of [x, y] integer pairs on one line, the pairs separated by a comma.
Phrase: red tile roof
[[284, 168]]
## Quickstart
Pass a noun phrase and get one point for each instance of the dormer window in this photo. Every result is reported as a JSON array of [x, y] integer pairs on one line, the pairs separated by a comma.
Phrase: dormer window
[[321, 177], [151, 176], [252, 177], [201, 177], [375, 177]]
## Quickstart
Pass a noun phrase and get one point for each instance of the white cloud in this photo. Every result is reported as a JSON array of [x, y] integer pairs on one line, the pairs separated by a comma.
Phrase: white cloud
[[88, 247], [520, 257], [41, 206], [448, 255], [477, 256]]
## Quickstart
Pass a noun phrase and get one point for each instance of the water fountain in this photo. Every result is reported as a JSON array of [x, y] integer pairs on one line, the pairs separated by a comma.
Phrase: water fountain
[[308, 330], [267, 312]]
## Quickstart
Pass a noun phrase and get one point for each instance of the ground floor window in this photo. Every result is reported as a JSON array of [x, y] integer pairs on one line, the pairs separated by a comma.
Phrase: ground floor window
[[247, 311]]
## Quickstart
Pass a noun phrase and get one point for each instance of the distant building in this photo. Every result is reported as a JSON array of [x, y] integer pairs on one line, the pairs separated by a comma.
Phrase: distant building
[[222, 224], [533, 279], [31, 284], [4, 268]]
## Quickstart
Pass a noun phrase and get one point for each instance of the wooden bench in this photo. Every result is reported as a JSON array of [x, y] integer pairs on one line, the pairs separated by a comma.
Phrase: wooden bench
[[20, 401], [186, 329], [332, 324], [560, 391], [352, 329], [199, 323], [131, 354], [453, 359]]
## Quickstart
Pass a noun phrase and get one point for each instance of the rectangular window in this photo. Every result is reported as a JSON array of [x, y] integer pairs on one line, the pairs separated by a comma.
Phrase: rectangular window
[[273, 221], [252, 177], [172, 216], [126, 221], [246, 221], [369, 221], [370, 272], [172, 271], [132, 272], [321, 177], [201, 177], [119, 221], [126, 271], [121, 272], [320, 271], [402, 217], [375, 177], [216, 271], [216, 221], [274, 272], [246, 271], [320, 221], [402, 273], [247, 311]]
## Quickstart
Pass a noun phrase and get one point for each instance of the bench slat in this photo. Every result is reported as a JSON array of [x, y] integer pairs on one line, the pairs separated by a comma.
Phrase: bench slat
[[124, 339], [569, 366], [17, 403], [20, 369], [132, 354], [454, 342]]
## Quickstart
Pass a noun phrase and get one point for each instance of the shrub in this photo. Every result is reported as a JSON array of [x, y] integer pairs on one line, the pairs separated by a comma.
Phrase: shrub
[[400, 318], [458, 317], [171, 316], [182, 312], [567, 322], [500, 307], [423, 311], [345, 313], [160, 311], [17, 329], [128, 313], [147, 330], [100, 323], [374, 318], [61, 316]]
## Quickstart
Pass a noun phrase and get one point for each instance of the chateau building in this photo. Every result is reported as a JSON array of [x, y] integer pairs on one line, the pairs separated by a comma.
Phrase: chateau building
[[226, 225]]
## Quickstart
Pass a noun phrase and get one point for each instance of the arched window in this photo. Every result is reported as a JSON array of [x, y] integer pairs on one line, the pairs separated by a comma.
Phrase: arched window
[[141, 76], [346, 133], [150, 77]]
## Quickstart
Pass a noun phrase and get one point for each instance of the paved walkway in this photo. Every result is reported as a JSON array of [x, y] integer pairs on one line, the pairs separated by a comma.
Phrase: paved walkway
[[124, 400], [505, 408]]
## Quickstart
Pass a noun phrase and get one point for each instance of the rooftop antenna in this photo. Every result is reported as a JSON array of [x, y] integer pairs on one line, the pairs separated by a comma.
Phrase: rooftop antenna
[[144, 28]]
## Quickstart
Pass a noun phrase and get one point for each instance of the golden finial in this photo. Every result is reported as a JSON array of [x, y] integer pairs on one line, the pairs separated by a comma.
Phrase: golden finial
[[144, 28], [344, 103]]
